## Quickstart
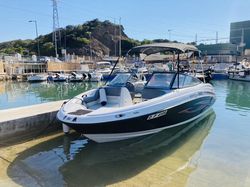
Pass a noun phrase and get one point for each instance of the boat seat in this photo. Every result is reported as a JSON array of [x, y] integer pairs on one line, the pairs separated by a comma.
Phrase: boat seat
[[89, 99], [119, 96], [150, 93], [113, 96], [125, 97]]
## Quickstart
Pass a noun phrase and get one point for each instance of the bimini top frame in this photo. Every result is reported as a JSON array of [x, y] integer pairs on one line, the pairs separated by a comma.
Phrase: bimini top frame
[[175, 48], [154, 48]]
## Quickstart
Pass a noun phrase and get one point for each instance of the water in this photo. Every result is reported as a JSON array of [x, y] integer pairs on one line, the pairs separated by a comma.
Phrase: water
[[213, 151], [17, 94]]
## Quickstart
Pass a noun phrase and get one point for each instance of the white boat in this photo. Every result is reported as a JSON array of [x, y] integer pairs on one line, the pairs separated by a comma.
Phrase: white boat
[[93, 77], [112, 112], [240, 72], [139, 67], [205, 76], [60, 77], [36, 78], [75, 77], [103, 68], [105, 71]]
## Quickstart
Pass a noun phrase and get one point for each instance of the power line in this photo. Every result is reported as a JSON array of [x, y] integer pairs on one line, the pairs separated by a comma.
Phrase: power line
[[132, 28], [188, 25], [24, 10], [90, 11]]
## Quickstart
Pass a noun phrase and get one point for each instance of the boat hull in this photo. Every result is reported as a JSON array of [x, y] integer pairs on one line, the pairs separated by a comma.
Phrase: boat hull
[[102, 138], [146, 124], [238, 78], [219, 76], [76, 80], [59, 80], [36, 80]]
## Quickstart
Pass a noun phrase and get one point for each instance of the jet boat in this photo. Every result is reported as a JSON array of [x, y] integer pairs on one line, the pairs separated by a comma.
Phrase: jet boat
[[117, 111]]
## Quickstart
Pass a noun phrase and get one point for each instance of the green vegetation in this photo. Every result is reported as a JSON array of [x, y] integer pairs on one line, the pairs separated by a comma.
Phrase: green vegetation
[[100, 37]]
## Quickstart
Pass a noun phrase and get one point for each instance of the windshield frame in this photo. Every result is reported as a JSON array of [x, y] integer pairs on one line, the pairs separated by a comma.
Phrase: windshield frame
[[172, 82], [161, 87], [122, 83]]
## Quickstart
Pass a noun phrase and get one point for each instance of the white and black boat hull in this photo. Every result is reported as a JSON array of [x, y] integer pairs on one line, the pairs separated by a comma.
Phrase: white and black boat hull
[[164, 116], [101, 138]]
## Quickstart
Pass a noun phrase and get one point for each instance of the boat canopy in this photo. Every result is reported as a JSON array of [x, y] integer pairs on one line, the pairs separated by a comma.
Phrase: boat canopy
[[149, 49]]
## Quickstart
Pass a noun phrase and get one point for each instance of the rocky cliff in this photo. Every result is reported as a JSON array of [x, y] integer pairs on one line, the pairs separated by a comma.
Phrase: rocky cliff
[[96, 37]]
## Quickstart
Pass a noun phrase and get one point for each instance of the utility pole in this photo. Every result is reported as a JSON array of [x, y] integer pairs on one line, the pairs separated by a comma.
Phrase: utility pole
[[120, 41], [56, 30], [169, 34], [217, 36], [196, 38], [90, 47], [115, 36], [38, 46]]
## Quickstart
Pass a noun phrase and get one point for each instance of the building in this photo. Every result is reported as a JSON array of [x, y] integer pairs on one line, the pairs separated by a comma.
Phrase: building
[[240, 34], [227, 52], [216, 53]]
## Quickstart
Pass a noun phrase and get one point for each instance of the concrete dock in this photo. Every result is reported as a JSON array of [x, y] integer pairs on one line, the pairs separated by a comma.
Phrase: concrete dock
[[28, 122]]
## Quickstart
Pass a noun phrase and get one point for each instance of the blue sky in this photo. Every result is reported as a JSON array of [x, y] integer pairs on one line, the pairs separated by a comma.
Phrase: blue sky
[[142, 19]]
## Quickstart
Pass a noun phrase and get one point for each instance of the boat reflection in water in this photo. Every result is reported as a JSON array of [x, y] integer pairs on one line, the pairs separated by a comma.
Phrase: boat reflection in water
[[81, 163]]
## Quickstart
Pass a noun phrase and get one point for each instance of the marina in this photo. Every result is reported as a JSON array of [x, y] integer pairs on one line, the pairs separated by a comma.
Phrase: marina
[[124, 94], [180, 157], [170, 116]]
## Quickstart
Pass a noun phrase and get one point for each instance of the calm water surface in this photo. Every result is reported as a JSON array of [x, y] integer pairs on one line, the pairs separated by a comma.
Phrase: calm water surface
[[213, 151], [17, 94]]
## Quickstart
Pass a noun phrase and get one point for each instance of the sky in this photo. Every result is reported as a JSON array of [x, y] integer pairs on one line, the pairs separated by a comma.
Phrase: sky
[[179, 20]]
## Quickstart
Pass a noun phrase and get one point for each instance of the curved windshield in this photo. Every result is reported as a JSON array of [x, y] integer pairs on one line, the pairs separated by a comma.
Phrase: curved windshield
[[120, 79], [185, 81], [161, 80]]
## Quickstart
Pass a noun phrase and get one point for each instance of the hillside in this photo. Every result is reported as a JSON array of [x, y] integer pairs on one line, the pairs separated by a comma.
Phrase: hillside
[[101, 37]]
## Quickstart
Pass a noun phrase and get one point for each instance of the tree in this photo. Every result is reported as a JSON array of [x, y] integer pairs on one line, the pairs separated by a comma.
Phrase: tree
[[145, 41]]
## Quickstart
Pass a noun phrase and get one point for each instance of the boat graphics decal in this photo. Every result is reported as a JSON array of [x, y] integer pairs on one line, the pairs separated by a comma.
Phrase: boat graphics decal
[[157, 115]]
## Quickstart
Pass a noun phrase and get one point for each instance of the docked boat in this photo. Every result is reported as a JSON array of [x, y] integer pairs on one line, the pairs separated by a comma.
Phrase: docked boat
[[205, 76], [59, 77], [139, 68], [219, 71], [104, 68], [240, 72], [94, 77], [116, 112], [36, 78], [75, 77]]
